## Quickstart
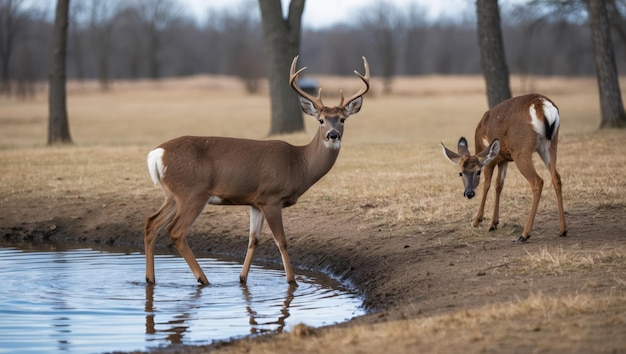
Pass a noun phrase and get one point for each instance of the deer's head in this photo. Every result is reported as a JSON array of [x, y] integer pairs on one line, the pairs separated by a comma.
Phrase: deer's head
[[331, 119], [471, 165]]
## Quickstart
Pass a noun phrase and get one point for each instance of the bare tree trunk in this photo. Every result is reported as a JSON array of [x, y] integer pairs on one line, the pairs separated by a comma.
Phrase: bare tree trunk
[[12, 18], [492, 57], [155, 18], [77, 54], [385, 24], [6, 45], [76, 39], [154, 47], [58, 127], [282, 43], [389, 62], [101, 24], [611, 105], [616, 20], [103, 72]]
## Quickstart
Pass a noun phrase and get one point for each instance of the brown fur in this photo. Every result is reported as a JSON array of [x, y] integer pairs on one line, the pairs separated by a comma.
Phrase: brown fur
[[509, 124], [266, 175]]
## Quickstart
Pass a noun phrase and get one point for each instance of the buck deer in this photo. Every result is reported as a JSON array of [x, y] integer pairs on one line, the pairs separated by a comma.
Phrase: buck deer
[[267, 175], [516, 128]]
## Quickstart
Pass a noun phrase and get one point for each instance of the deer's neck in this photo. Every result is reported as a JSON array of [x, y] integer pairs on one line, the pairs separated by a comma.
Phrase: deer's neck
[[319, 157]]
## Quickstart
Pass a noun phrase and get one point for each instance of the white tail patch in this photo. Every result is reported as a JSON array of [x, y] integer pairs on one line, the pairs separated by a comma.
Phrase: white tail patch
[[551, 114], [155, 165]]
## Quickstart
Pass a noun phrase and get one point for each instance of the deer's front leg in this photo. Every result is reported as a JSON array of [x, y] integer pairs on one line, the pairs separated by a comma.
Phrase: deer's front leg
[[487, 172], [256, 225], [502, 167], [274, 217]]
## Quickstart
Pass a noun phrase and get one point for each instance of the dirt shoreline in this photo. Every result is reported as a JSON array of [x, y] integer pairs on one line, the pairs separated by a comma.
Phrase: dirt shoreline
[[411, 274]]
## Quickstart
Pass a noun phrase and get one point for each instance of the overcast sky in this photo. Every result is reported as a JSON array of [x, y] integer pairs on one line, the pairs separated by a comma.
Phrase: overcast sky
[[321, 13]]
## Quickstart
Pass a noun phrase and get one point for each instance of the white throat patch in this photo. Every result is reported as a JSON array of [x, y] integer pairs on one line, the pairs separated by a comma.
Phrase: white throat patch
[[333, 144]]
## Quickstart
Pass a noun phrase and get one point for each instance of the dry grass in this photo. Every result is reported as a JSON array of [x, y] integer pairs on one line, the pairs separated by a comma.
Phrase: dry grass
[[391, 165], [425, 109], [574, 259], [558, 323]]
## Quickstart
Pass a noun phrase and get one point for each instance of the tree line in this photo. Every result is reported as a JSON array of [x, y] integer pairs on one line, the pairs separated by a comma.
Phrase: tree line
[[136, 39], [388, 32]]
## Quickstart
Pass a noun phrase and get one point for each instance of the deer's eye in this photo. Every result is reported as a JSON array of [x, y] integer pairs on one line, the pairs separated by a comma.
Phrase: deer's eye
[[321, 121], [342, 120], [460, 174], [478, 173]]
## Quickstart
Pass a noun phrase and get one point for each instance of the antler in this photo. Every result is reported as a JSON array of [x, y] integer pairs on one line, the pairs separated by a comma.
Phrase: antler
[[293, 75], [366, 80]]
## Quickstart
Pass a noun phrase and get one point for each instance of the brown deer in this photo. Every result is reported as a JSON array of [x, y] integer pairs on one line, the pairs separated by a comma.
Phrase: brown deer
[[512, 131], [267, 175]]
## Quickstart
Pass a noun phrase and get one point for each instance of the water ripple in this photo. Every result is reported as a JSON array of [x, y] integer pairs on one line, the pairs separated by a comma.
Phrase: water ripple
[[85, 301]]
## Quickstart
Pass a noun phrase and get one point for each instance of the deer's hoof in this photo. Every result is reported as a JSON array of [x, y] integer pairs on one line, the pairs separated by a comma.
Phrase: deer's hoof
[[493, 228], [522, 239], [563, 233]]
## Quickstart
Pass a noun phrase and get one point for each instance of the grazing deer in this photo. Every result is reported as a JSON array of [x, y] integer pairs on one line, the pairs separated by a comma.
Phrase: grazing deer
[[516, 128], [267, 175]]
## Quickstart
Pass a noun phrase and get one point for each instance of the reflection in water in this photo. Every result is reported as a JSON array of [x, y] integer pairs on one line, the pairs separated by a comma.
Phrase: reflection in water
[[176, 327], [92, 301], [62, 324], [256, 329]]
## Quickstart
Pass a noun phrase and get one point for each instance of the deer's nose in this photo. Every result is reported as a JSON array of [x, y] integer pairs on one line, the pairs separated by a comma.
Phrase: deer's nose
[[469, 194], [333, 135]]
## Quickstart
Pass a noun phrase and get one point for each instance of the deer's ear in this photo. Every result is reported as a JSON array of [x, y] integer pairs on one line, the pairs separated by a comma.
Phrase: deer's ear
[[489, 152], [463, 147], [353, 106], [450, 155], [308, 106]]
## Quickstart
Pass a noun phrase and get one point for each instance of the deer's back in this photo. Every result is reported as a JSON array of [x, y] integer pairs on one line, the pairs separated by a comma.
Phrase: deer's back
[[238, 171], [513, 124]]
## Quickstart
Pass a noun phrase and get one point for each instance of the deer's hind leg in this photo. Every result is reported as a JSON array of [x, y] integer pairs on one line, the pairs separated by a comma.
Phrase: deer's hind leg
[[187, 212], [549, 159], [525, 166], [153, 224]]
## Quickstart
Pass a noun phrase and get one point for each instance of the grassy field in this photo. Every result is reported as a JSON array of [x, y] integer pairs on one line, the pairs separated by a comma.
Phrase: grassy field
[[394, 139], [390, 172], [424, 110]]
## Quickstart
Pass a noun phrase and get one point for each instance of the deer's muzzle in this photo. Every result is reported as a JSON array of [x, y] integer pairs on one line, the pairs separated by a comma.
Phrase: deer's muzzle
[[333, 135]]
